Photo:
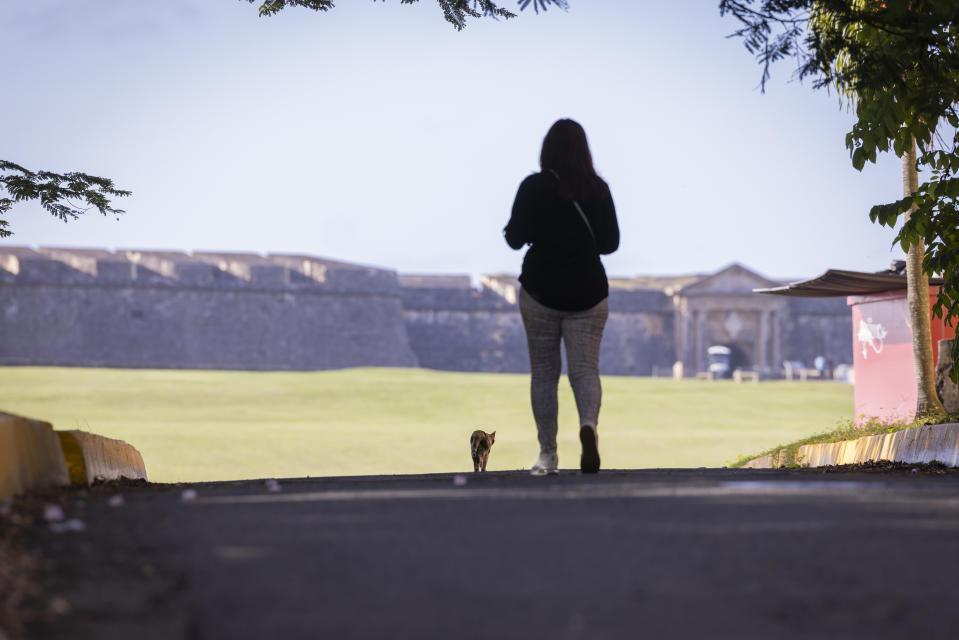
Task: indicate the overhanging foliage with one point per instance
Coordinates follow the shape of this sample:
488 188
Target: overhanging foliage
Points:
66 195
456 12
897 61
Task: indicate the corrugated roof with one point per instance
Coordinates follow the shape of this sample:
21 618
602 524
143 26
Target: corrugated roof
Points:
836 282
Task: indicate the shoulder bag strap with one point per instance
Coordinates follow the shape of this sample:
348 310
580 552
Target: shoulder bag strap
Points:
582 215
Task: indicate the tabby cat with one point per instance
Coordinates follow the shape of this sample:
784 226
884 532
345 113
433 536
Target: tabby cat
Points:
480 444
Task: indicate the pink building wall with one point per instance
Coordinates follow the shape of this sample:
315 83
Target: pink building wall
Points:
882 355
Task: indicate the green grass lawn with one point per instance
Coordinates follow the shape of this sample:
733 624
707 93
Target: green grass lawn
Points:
221 425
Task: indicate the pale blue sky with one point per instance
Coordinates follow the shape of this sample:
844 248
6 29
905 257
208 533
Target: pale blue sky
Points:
375 133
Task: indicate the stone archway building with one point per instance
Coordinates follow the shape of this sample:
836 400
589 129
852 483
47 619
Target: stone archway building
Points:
721 309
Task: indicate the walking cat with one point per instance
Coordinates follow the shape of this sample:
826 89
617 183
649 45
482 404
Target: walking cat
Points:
480 444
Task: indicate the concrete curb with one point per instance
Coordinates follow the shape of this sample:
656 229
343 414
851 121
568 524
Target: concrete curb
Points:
939 442
91 457
33 456
30 456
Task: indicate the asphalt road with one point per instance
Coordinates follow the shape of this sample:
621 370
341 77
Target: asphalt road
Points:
640 554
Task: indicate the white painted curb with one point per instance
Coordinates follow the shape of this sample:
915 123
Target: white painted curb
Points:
30 456
33 456
935 442
91 457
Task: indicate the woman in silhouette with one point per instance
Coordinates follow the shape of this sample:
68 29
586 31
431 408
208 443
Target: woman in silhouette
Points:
566 214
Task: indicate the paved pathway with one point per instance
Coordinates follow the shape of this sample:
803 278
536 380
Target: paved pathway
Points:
643 554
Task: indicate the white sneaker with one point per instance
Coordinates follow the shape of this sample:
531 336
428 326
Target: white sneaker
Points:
546 464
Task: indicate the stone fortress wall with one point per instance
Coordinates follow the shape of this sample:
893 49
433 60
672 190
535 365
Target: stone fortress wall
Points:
218 311
90 307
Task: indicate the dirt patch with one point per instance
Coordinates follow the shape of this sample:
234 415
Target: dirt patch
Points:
21 562
892 468
17 580
60 568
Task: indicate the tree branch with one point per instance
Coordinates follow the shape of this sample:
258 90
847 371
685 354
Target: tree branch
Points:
456 12
55 189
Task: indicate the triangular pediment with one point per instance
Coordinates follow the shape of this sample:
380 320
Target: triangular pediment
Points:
732 280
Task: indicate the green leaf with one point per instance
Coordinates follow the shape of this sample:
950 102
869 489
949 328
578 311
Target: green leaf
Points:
890 123
898 145
858 158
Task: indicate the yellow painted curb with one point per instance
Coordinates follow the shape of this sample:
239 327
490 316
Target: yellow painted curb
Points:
934 442
90 457
30 456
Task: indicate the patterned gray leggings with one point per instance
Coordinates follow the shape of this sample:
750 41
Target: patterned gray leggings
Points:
581 332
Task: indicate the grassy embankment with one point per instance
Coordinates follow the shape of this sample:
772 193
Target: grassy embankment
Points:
219 425
845 430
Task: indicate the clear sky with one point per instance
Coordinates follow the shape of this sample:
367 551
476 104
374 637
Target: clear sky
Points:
376 133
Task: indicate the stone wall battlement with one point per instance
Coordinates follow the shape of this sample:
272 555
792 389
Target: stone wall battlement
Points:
452 293
235 271
165 309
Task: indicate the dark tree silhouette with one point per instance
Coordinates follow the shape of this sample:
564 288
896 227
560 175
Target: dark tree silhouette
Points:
66 195
456 12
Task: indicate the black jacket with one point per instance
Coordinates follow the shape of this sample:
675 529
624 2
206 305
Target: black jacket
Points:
562 269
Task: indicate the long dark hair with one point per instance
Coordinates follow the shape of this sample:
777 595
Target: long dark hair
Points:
566 152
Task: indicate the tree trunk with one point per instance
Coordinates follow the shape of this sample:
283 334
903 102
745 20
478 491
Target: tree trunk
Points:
918 295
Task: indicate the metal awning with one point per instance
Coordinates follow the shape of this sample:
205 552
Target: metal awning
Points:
836 283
